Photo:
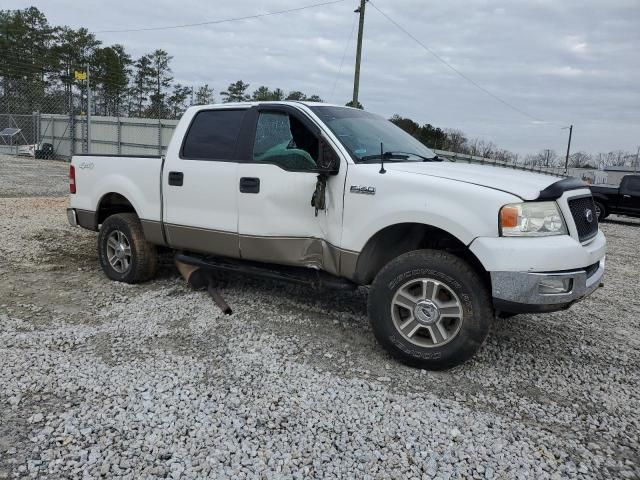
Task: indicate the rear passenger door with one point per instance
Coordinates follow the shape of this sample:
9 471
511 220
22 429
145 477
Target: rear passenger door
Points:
630 195
200 191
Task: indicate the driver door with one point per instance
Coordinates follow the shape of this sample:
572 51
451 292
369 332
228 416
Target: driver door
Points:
276 221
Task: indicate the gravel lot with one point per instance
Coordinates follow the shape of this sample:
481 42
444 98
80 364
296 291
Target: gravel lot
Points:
152 381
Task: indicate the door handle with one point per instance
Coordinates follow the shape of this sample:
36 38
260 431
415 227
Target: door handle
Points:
626 196
176 178
249 185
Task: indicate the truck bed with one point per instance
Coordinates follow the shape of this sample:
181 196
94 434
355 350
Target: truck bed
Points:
138 178
604 188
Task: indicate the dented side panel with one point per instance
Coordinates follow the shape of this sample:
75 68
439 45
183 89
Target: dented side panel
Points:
301 252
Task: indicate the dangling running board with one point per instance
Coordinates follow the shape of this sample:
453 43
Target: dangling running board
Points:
299 275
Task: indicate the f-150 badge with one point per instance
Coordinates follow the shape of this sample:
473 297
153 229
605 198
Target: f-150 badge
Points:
363 189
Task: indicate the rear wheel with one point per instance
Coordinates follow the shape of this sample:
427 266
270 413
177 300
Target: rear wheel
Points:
125 255
430 309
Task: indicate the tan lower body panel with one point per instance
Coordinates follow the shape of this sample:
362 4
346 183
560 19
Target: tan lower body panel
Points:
202 240
348 263
295 251
301 252
153 232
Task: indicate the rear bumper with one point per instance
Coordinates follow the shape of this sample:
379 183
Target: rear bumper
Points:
82 218
72 217
534 292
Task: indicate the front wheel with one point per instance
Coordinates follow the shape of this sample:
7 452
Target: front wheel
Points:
430 309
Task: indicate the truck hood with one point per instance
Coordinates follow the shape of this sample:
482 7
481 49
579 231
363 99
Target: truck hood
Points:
526 185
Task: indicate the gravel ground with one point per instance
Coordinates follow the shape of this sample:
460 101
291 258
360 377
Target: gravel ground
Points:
102 379
27 177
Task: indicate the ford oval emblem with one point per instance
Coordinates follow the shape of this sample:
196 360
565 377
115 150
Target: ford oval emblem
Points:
588 214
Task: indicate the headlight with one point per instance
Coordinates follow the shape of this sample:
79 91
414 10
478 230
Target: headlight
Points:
531 219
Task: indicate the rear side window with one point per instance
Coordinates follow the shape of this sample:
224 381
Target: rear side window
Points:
633 185
213 135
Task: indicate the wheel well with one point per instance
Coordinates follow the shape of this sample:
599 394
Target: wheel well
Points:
395 240
111 204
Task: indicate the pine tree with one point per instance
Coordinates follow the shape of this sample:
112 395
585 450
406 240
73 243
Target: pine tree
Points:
204 95
296 95
142 85
178 99
73 51
161 73
236 92
111 67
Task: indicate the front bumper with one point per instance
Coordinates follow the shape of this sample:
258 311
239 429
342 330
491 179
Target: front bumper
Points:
525 292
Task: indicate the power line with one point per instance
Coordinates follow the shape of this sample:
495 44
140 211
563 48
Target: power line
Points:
458 72
216 22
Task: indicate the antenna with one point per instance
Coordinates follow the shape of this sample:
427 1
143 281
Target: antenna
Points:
382 170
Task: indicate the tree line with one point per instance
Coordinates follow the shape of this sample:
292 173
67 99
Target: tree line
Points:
454 140
39 61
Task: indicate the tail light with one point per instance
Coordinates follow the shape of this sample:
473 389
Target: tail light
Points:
72 179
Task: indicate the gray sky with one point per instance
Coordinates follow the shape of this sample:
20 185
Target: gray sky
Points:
562 61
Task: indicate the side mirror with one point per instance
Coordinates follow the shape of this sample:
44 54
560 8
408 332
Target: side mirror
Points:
328 159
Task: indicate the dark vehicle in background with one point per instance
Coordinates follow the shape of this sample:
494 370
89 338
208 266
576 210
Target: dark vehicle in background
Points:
623 200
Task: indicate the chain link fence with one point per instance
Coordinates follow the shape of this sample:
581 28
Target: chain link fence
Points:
52 123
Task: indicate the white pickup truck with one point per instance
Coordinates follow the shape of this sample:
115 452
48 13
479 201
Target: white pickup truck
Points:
335 196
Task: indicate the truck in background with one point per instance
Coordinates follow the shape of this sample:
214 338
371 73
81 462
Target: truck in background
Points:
621 200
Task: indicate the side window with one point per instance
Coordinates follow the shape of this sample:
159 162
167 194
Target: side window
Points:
283 140
213 135
633 185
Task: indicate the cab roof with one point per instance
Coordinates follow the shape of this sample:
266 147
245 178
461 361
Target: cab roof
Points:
270 102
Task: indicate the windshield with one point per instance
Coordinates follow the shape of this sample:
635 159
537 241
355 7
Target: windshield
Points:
362 132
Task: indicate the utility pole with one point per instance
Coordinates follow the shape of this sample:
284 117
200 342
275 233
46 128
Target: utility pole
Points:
566 160
356 78
635 164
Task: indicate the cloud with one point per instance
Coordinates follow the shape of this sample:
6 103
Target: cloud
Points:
576 44
566 71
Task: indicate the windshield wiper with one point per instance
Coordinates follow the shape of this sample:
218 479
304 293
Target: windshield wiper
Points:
397 156
387 156
435 158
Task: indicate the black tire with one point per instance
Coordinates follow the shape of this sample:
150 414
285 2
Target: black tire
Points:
601 211
143 259
459 279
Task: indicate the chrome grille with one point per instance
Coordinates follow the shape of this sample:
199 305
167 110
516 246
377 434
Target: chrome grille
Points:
584 215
